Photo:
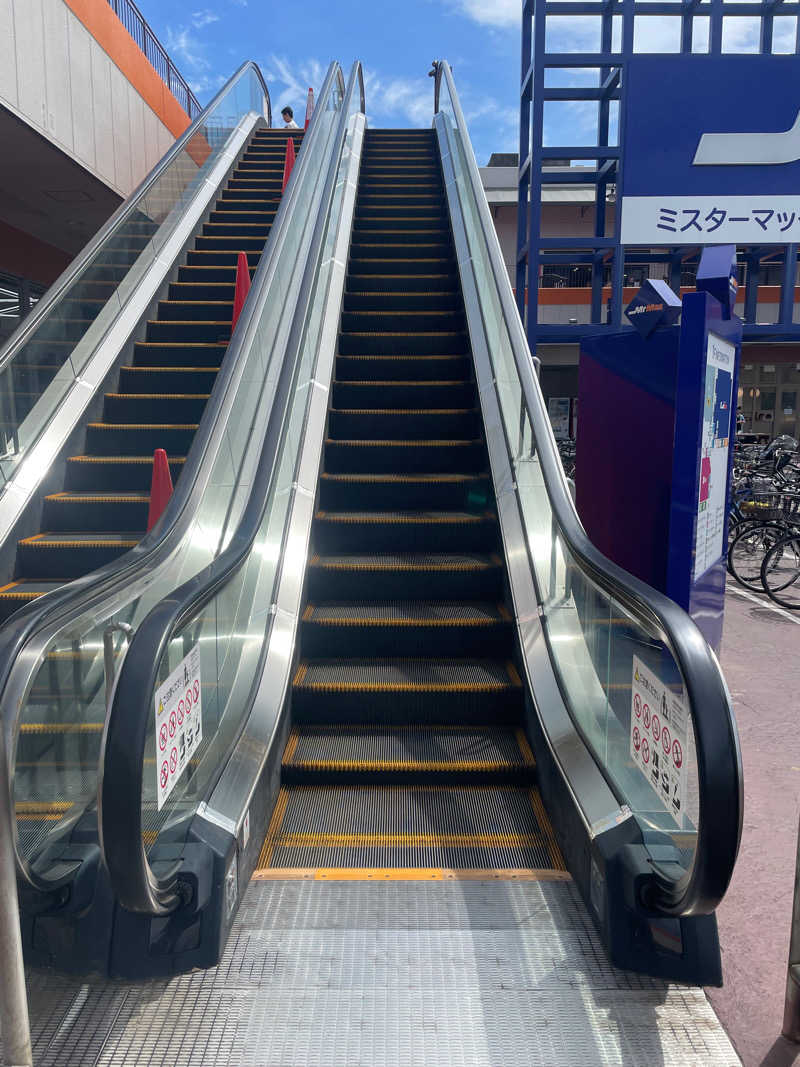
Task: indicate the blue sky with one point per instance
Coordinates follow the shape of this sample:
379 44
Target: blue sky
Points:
294 42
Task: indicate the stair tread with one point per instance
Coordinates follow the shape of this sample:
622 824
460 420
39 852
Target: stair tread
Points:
461 517
408 561
388 479
83 538
421 675
407 613
407 747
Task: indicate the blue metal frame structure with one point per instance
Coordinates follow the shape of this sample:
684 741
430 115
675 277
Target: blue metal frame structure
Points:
543 77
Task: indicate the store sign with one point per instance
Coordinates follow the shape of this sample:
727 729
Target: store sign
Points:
716 160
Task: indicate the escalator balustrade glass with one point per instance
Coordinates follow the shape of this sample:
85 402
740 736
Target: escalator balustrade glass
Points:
619 665
62 682
44 359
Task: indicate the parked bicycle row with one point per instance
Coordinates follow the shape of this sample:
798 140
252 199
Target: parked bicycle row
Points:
764 531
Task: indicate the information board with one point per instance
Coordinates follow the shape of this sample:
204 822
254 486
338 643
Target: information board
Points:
659 725
714 452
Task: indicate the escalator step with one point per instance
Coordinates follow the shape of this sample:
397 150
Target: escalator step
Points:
115 473
403 343
405 628
374 267
412 457
210 331
69 555
406 691
108 439
398 282
153 407
350 755
404 492
411 827
161 379
404 574
195 310
403 394
406 321
23 591
406 424
90 511
165 354
387 302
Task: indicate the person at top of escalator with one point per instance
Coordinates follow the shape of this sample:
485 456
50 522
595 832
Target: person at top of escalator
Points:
288 118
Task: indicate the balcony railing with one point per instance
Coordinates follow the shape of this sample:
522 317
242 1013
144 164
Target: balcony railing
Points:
134 22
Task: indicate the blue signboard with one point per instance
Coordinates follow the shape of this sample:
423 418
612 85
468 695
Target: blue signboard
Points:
716 158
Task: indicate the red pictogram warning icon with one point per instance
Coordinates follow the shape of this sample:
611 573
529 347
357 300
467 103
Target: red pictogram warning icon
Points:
647 716
666 740
173 724
656 728
162 736
637 740
645 750
196 690
173 759
677 753
189 701
164 776
637 706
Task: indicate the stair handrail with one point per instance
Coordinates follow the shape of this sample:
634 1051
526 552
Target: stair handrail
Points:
702 887
136 886
29 629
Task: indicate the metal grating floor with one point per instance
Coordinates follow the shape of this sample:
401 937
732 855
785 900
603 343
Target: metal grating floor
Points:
462 974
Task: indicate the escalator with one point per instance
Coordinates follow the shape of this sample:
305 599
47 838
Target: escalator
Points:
408 747
403 658
101 511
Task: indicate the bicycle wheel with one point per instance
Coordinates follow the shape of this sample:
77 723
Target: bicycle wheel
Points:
780 572
747 551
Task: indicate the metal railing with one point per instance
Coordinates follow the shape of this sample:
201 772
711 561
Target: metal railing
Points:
135 23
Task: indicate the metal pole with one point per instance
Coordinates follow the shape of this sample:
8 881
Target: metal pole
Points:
791 1004
14 1024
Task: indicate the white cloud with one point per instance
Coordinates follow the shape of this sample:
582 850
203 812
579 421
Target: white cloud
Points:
506 14
203 18
409 99
183 46
288 82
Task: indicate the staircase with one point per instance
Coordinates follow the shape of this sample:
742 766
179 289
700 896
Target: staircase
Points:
407 750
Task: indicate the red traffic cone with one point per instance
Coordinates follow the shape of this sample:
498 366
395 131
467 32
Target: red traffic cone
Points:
309 107
160 488
287 166
242 287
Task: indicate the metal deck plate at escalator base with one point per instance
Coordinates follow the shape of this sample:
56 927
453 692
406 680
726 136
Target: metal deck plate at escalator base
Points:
395 974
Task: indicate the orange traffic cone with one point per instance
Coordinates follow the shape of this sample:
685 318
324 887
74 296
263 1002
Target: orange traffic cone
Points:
309 107
287 166
160 488
242 287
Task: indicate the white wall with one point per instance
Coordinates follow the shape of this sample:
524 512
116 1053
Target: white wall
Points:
57 78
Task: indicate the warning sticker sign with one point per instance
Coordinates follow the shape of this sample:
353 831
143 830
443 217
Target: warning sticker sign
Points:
179 723
659 721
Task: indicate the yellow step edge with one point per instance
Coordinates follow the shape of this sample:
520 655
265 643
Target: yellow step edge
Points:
493 766
409 874
298 839
494 561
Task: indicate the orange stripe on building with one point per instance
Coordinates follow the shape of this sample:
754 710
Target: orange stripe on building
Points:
101 22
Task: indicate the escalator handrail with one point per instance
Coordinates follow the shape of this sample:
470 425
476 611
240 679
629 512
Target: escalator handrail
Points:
31 322
67 602
134 883
701 888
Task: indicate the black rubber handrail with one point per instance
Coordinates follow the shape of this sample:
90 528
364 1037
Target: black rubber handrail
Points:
133 881
721 801
65 604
